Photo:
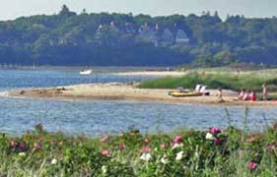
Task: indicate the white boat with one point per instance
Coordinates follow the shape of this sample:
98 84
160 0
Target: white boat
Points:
86 72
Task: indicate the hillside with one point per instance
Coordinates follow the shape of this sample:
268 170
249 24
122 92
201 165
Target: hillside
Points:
71 39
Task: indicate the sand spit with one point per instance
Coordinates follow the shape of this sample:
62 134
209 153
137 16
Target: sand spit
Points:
119 91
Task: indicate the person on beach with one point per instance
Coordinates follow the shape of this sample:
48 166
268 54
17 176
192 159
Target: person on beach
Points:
252 96
265 93
220 95
246 96
241 95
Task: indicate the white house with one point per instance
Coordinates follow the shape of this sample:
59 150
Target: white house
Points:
181 37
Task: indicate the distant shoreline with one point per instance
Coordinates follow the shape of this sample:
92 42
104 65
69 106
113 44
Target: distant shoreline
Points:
117 70
153 73
119 91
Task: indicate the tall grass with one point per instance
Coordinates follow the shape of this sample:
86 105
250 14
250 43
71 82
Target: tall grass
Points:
215 80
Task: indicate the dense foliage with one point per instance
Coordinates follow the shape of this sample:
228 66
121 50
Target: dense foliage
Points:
190 153
105 39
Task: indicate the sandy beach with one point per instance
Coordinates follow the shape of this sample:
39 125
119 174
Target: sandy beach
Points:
119 91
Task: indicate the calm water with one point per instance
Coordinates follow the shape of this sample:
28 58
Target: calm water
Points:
10 79
97 117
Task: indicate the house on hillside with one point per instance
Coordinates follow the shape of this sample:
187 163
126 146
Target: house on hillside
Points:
143 29
181 37
167 37
148 34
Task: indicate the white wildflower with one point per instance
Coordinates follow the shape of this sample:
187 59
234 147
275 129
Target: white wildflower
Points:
104 169
209 136
179 155
54 161
22 154
196 154
146 156
164 160
177 145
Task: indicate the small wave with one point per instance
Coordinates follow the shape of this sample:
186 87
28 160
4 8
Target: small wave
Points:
4 94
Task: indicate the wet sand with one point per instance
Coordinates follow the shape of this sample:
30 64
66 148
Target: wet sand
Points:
119 91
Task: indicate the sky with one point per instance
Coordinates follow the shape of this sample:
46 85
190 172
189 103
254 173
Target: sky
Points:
11 9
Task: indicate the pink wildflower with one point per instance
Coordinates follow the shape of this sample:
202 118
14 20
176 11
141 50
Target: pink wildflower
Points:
217 141
270 147
252 165
178 139
14 144
22 147
251 139
106 152
172 143
37 147
163 145
121 146
215 130
146 149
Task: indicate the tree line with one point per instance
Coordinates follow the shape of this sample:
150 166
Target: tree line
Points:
71 39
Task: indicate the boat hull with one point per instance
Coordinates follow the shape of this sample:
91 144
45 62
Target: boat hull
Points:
185 94
86 72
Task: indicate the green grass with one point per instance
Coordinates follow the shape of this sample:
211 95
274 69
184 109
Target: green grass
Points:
190 153
231 80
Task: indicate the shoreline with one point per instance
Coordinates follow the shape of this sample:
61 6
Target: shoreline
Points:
153 73
120 91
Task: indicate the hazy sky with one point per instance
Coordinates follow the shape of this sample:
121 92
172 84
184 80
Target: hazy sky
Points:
11 9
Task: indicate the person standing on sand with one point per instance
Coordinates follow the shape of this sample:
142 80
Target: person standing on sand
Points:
220 95
265 93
